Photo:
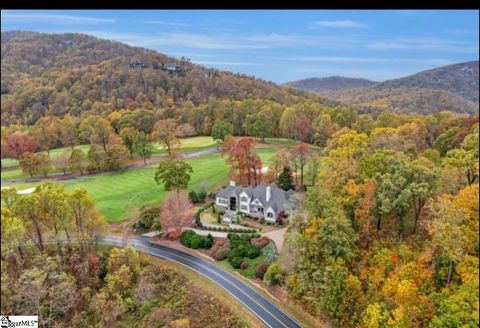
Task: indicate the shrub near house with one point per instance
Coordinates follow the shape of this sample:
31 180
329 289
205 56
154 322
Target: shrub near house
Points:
192 240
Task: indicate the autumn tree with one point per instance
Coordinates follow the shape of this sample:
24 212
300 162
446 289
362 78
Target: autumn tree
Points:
114 156
466 158
347 144
45 290
13 233
129 137
176 212
45 133
276 164
29 164
303 129
186 130
445 227
97 130
43 162
259 125
300 155
61 161
245 164
423 183
366 212
19 143
221 130
68 131
313 168
165 131
87 222
51 207
114 119
78 161
143 146
96 157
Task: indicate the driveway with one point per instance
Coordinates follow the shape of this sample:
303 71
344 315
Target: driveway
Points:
277 236
269 313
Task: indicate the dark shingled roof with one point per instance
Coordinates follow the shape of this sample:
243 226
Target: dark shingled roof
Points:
278 196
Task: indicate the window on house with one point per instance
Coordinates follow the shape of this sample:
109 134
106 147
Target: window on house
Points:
260 209
270 215
244 208
244 199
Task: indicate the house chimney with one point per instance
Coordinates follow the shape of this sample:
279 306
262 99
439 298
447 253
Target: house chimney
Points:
268 193
232 183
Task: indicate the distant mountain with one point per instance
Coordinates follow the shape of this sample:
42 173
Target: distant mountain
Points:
327 85
461 79
453 87
71 73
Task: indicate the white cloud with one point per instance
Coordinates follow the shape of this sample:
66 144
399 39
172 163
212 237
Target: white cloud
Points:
52 18
371 60
340 24
432 44
226 41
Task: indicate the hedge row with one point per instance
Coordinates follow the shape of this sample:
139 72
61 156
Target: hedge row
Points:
226 229
205 207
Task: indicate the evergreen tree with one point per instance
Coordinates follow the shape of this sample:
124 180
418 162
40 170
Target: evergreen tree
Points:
285 179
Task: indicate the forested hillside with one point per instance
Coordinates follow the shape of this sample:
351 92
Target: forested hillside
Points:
452 87
328 85
72 73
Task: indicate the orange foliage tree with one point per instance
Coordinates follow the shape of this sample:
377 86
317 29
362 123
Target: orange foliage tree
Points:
176 212
246 164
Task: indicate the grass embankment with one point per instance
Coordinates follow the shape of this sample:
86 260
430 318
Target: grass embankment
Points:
249 272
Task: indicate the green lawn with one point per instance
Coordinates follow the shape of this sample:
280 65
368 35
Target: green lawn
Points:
284 142
120 194
13 174
188 145
6 162
248 272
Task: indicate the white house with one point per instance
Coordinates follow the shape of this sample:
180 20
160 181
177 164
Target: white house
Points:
267 201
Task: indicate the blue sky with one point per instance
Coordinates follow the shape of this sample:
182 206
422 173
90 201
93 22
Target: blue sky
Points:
280 45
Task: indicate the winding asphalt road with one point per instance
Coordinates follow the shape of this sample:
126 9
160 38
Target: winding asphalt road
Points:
270 314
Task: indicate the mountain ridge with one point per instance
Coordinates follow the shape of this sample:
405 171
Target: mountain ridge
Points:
453 87
326 85
73 72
